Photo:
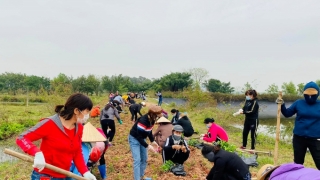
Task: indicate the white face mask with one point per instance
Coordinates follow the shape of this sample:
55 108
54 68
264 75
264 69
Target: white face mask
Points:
84 119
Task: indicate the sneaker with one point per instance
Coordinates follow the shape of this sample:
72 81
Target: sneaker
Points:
242 147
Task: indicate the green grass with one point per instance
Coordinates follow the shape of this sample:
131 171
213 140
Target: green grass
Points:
19 118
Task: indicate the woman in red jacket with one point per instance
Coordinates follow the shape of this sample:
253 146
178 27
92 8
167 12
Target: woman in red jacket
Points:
60 137
215 132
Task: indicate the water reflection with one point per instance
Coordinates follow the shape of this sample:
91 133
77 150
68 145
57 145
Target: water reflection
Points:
268 127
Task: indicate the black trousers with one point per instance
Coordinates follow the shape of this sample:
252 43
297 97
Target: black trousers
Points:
300 145
134 114
250 126
108 123
176 157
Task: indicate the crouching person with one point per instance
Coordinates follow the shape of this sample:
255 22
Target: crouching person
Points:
176 148
227 165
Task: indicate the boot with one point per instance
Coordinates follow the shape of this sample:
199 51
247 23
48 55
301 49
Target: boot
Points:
103 171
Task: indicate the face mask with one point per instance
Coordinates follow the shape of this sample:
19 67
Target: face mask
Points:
248 98
84 119
210 156
173 115
310 99
176 137
208 126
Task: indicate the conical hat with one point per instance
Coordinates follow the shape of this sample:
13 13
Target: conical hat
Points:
163 120
91 134
265 170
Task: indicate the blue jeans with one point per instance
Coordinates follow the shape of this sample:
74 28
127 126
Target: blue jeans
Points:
36 176
140 156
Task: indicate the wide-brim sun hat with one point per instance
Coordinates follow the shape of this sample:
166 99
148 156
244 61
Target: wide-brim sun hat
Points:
91 134
163 120
265 170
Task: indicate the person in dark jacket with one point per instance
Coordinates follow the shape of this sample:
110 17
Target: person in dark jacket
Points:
306 132
142 129
227 165
185 122
176 148
251 122
175 115
135 109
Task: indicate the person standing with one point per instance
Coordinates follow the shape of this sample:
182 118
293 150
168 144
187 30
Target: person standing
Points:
215 132
251 122
306 132
159 98
135 109
107 121
60 142
137 140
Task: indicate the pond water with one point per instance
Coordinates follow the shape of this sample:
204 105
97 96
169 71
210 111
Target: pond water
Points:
267 117
5 157
268 110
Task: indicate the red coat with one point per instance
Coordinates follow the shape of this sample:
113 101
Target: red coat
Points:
214 132
59 145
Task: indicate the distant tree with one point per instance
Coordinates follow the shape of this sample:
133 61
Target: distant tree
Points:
246 87
175 81
116 83
199 75
36 83
215 85
13 82
62 84
226 88
318 82
289 88
272 89
300 88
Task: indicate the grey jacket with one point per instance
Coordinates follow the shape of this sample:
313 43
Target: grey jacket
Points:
109 114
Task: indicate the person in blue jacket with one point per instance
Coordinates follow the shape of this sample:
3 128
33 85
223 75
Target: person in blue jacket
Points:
306 131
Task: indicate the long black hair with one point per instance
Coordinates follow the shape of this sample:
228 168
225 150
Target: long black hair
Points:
76 100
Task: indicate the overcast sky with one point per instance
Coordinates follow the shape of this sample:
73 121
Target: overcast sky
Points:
260 42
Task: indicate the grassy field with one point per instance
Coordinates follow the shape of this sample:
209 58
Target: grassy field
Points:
118 157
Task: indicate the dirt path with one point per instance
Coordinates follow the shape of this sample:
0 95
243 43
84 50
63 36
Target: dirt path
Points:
119 159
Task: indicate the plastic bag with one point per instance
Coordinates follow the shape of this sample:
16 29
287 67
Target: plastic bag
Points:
250 160
178 170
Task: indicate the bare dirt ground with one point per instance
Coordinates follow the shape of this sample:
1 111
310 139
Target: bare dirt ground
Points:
119 159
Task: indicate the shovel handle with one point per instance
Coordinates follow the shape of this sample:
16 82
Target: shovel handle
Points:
48 166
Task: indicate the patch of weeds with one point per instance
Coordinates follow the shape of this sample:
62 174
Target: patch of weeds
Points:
167 166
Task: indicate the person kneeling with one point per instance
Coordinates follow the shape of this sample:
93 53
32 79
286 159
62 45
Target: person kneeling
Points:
227 165
176 149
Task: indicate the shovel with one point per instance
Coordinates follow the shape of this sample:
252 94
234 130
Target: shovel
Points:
48 166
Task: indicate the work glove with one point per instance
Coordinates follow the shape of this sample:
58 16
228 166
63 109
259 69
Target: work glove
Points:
279 101
39 161
150 147
89 176
201 135
120 121
201 138
238 112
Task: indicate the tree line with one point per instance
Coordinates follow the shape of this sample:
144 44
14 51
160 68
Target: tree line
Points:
13 83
